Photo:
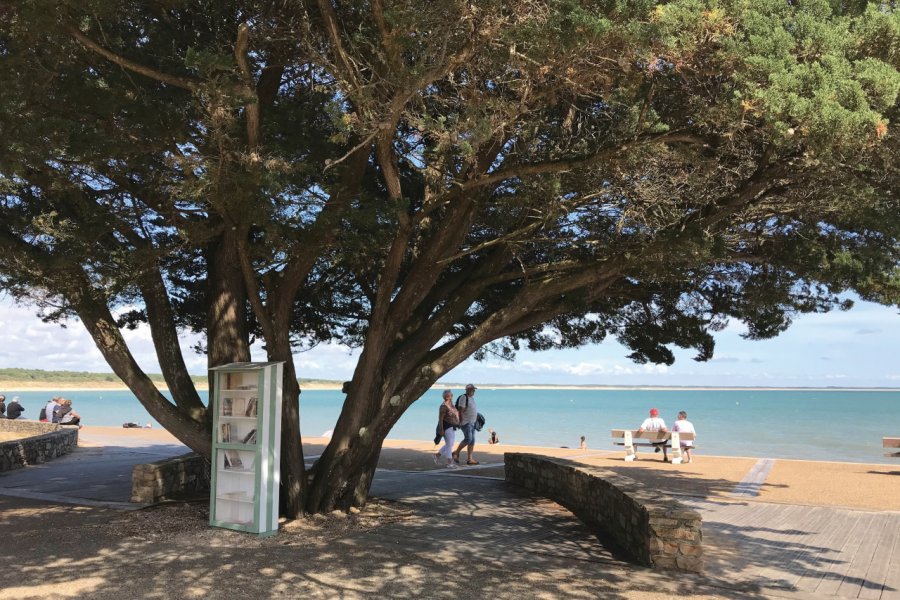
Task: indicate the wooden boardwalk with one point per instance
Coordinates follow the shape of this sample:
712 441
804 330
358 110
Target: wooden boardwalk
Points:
802 551
752 549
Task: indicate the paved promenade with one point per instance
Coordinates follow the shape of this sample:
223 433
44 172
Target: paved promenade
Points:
465 534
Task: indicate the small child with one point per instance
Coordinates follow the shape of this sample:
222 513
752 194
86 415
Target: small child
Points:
493 439
682 425
583 443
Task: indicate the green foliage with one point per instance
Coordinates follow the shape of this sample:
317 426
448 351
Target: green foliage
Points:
770 196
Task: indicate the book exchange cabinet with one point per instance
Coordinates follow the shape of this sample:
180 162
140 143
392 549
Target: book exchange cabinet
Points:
246 449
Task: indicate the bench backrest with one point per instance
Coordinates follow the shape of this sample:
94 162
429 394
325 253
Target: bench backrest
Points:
654 436
891 442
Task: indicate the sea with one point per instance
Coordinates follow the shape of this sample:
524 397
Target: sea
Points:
831 425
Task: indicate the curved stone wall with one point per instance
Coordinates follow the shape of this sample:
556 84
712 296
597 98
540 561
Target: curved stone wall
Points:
651 526
44 441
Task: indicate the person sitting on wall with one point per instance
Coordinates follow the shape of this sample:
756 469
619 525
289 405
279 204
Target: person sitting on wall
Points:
48 412
14 410
66 416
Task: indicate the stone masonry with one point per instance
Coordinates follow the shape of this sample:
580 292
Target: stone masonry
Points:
164 479
44 441
650 526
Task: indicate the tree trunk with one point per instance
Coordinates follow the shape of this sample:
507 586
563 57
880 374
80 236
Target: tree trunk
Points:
102 327
227 337
166 344
293 477
342 479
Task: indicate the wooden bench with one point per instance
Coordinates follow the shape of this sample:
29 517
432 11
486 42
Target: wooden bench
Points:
892 442
669 439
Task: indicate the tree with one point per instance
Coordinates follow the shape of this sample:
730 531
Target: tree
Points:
432 181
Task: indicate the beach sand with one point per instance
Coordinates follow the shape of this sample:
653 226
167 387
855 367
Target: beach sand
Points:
813 483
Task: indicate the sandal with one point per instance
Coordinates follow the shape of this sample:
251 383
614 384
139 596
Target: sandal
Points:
472 462
455 456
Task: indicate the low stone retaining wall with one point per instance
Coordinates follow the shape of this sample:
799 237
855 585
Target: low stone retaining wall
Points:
650 526
44 441
172 477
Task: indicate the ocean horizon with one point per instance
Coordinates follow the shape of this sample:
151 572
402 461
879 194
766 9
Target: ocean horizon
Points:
813 424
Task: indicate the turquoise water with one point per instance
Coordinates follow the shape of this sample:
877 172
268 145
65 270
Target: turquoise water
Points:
806 424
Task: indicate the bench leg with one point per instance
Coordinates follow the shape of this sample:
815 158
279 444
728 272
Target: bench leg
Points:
676 449
629 447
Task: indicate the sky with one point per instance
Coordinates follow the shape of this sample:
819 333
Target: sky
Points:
856 348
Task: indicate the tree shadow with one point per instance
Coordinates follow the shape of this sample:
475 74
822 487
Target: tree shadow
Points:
519 546
87 552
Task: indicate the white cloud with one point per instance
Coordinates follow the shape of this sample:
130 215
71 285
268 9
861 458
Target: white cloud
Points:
810 352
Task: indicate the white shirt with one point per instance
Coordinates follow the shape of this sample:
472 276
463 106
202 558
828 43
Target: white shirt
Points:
51 406
684 426
653 424
467 411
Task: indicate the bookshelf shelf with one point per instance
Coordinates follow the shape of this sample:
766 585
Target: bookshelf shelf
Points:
246 402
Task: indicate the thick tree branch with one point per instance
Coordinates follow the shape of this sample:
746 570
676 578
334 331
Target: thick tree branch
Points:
251 106
335 35
181 82
559 166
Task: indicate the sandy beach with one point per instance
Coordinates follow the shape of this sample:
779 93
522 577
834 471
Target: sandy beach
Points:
813 483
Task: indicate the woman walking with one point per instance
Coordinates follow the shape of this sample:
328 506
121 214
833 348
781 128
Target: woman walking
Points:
448 421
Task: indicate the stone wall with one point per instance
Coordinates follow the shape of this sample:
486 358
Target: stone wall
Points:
648 525
44 441
172 477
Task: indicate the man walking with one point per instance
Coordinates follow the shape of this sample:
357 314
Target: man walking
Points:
468 412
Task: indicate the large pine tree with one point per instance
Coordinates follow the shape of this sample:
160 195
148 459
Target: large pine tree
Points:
429 181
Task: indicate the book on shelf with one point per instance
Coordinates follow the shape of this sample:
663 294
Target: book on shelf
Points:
251 407
227 407
225 432
233 460
250 438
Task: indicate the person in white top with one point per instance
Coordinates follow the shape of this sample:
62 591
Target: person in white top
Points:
655 423
682 425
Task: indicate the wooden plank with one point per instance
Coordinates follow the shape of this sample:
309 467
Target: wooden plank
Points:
891 442
842 527
871 582
891 590
803 533
813 533
650 435
754 480
830 580
857 566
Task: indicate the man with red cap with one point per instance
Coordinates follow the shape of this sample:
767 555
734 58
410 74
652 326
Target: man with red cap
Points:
655 423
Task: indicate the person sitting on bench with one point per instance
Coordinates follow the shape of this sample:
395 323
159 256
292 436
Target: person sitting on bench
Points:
655 423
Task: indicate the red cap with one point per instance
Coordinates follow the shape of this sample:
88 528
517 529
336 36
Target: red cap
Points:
654 412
